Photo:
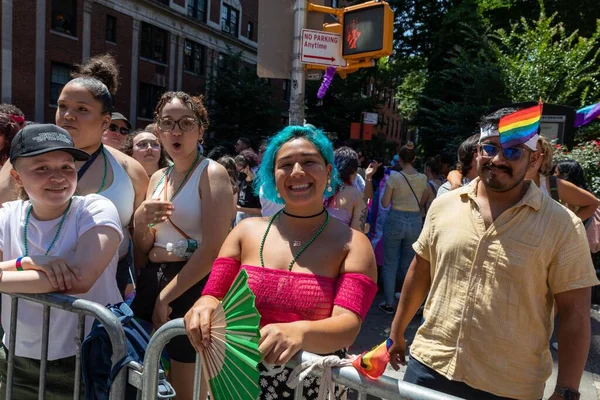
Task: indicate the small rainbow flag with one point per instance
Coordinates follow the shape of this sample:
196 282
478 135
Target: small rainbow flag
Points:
372 363
517 128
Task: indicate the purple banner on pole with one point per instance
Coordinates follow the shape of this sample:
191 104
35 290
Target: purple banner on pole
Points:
587 114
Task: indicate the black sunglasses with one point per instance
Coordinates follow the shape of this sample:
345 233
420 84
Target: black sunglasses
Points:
115 128
511 154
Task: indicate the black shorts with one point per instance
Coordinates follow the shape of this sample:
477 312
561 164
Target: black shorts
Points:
152 279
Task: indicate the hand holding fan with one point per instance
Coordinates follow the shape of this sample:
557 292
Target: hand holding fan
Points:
230 363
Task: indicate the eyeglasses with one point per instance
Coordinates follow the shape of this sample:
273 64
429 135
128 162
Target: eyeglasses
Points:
143 144
510 154
115 128
186 124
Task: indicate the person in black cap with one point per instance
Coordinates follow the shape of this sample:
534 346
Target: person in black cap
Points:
117 131
46 239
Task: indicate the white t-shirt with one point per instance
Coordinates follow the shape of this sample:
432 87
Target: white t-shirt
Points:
85 213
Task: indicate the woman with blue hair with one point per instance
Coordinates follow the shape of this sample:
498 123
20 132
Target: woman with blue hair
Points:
313 276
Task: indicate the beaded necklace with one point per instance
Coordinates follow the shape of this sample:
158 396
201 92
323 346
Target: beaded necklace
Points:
168 172
60 225
262 243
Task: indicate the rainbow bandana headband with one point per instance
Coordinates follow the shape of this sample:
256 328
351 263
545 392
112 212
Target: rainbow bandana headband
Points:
521 127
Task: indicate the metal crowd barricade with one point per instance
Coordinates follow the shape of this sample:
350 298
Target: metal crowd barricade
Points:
82 308
384 387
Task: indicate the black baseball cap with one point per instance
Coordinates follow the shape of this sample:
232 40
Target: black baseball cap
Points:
115 116
37 139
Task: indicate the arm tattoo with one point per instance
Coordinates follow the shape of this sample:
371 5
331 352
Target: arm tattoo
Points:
363 219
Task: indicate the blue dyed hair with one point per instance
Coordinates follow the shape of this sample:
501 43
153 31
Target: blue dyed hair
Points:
265 177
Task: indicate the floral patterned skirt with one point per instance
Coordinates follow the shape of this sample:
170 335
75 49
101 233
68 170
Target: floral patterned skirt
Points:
273 384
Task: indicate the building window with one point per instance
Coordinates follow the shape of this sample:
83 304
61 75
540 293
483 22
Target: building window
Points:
154 43
148 98
58 79
229 20
251 31
111 28
197 9
193 57
64 16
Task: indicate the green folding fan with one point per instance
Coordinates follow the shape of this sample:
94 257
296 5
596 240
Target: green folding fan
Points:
230 363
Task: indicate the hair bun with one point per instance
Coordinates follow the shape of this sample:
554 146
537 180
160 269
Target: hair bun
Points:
102 67
409 145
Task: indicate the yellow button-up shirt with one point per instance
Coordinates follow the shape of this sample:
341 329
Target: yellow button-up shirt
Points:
489 314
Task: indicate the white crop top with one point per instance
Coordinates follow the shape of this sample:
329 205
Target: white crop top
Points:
544 185
188 211
122 194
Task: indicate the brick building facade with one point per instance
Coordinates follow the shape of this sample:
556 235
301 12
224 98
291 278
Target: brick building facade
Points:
159 45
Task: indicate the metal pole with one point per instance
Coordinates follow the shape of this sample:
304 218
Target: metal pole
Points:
298 73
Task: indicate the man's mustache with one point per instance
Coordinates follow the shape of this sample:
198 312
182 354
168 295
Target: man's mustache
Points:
506 169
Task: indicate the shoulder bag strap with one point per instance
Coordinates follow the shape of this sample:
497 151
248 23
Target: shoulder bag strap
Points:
182 233
411 189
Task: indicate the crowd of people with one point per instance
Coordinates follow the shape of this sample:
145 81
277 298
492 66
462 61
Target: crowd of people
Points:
488 253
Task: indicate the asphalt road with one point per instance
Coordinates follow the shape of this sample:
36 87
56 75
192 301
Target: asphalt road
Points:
376 328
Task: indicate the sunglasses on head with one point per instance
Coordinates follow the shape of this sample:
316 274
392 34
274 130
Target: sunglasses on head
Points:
511 154
115 128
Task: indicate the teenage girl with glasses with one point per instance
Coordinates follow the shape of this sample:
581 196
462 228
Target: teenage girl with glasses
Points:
181 226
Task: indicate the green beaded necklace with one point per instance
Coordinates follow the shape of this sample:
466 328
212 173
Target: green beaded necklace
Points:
60 225
105 171
262 243
168 171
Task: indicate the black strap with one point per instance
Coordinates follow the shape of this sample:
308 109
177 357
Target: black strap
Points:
554 188
89 162
411 189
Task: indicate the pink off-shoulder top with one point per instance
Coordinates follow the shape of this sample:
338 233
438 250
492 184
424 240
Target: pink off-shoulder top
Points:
286 296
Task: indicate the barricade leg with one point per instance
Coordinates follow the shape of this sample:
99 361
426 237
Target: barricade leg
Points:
80 337
44 355
10 369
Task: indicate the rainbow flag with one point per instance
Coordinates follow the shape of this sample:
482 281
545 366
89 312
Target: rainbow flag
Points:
372 363
587 114
517 128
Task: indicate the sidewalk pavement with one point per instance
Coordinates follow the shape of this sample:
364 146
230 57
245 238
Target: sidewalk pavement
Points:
376 329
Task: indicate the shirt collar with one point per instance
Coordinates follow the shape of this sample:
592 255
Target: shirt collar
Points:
532 198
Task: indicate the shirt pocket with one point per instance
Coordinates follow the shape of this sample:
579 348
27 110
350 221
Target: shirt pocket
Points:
515 260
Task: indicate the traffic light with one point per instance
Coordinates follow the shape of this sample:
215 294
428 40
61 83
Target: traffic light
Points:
367 31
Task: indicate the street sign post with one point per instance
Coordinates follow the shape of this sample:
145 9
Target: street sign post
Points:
323 48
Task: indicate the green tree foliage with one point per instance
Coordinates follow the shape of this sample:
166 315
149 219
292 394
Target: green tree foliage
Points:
239 102
541 59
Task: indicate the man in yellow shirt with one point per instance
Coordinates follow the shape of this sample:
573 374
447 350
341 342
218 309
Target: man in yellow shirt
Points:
494 257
